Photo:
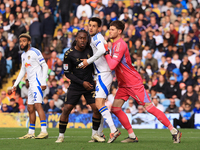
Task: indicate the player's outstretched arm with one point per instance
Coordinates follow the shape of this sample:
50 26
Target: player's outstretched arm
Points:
112 63
20 76
101 50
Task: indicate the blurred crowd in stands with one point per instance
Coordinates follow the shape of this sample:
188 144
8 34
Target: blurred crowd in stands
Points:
163 38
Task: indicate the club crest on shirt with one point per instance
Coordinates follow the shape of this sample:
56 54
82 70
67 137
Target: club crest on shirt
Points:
88 55
29 57
65 66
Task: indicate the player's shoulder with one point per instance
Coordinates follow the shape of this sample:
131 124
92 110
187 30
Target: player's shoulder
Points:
69 52
35 51
98 37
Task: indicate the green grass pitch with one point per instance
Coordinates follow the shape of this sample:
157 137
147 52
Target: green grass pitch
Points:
77 139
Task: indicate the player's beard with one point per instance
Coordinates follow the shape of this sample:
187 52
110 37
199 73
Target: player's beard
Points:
25 47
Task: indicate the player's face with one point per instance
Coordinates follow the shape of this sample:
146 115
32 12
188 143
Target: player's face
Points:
114 32
93 28
81 40
24 43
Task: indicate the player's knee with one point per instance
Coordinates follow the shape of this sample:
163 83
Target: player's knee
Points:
38 106
31 109
66 110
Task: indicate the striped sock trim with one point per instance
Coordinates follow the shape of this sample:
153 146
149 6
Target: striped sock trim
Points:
103 109
32 126
43 123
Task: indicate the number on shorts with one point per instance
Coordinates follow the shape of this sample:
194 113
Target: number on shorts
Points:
35 94
93 94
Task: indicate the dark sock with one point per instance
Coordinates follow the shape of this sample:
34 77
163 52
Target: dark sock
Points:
95 123
62 126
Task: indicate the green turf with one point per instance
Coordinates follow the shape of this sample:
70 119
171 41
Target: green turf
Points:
77 139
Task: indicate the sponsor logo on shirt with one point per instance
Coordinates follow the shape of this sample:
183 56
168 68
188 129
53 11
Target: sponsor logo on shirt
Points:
115 56
27 65
65 66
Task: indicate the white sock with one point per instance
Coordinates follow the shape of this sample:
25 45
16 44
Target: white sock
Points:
94 132
61 134
31 129
173 131
107 117
44 129
43 126
132 135
100 130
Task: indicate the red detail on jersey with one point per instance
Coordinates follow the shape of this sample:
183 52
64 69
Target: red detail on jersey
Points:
27 65
126 74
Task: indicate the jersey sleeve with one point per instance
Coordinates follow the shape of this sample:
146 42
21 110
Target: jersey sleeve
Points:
67 66
99 44
119 51
39 58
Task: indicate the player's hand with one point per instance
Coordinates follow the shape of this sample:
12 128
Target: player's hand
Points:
43 87
14 89
106 47
83 64
184 120
87 85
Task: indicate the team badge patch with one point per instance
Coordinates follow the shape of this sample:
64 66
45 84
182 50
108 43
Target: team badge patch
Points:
65 66
29 57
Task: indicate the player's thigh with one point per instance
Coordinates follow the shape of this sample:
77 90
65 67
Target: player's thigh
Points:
90 96
73 97
120 97
103 84
140 95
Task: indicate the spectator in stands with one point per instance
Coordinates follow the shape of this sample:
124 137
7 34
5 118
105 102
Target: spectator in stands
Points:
197 107
18 28
155 101
47 29
125 15
170 65
187 79
60 93
186 118
4 99
191 95
173 32
53 107
177 74
62 38
83 8
56 45
172 108
46 104
24 7
172 89
176 60
10 94
14 105
185 65
24 90
161 84
53 89
57 102
66 86
52 61
151 41
59 69
35 33
141 109
18 99
131 107
5 108
11 53
152 61
2 68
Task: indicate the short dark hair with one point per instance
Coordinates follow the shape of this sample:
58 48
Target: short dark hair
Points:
118 24
97 20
